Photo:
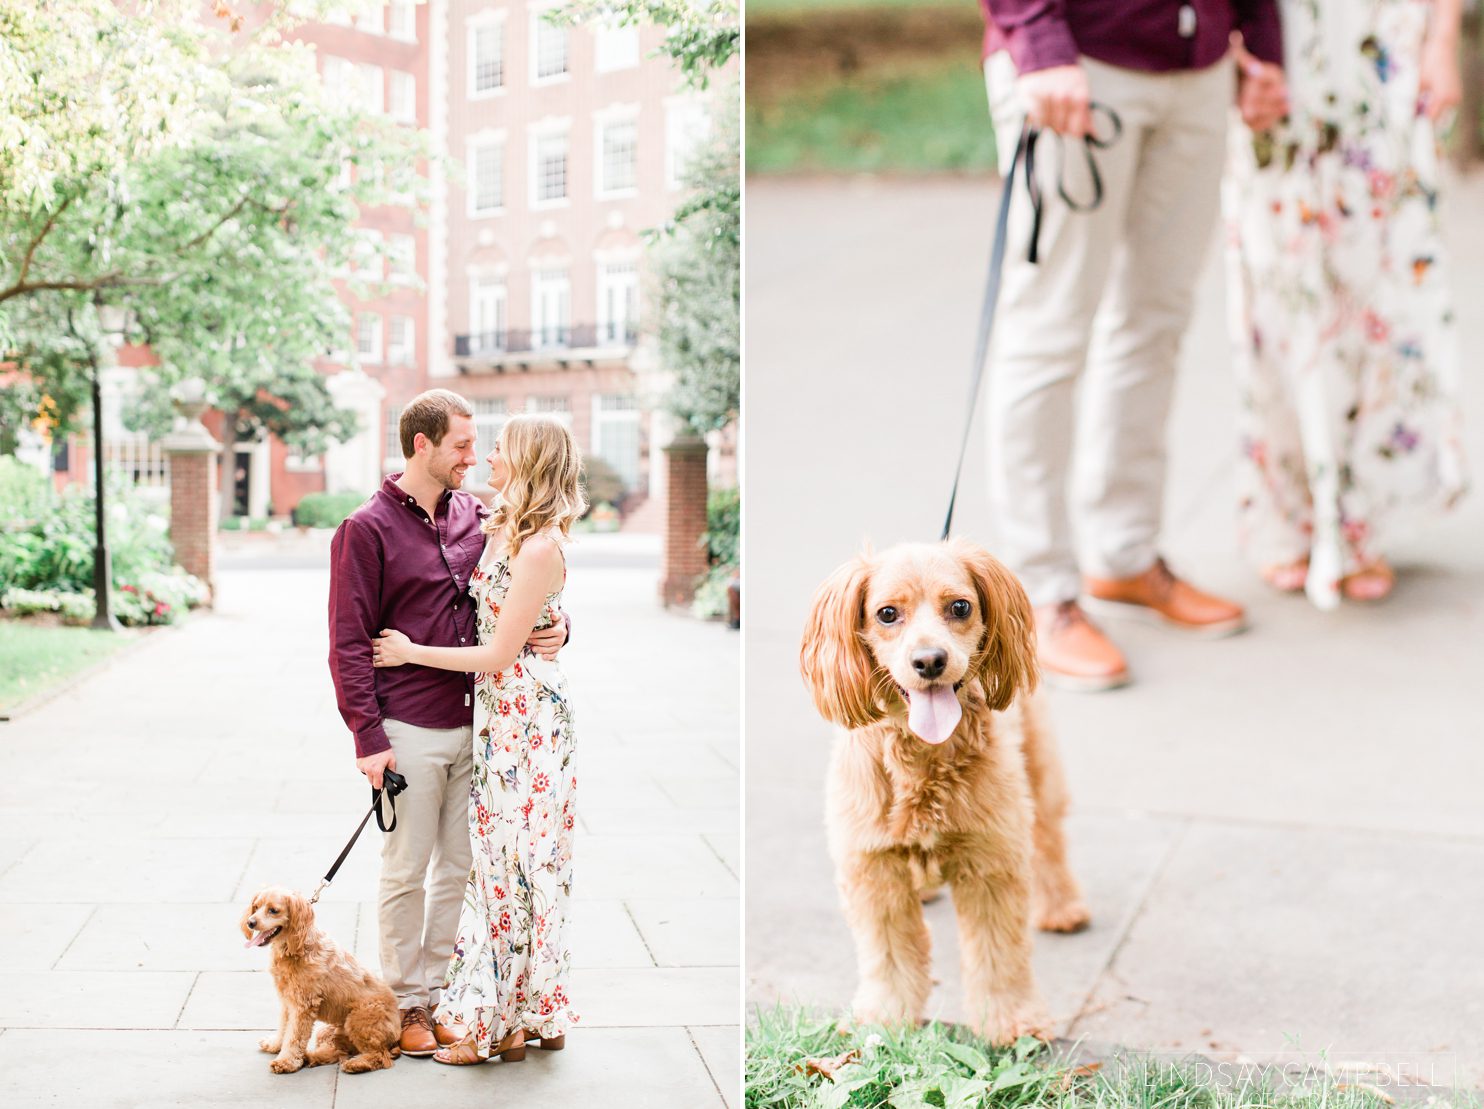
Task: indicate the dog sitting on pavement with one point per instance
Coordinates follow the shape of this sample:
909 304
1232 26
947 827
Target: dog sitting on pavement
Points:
317 981
925 655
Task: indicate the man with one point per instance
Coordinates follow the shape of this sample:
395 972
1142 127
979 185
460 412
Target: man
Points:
402 560
1162 66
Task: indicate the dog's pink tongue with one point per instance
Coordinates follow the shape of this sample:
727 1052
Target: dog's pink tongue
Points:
258 939
932 714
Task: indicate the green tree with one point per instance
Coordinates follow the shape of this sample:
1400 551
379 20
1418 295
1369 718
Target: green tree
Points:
214 213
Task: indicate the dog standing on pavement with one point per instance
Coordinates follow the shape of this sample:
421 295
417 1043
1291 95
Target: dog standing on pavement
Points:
318 981
926 656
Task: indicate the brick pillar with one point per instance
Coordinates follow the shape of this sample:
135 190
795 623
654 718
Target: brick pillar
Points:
193 454
685 520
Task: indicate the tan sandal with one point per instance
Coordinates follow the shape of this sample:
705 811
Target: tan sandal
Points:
1287 577
548 1043
465 1053
1370 583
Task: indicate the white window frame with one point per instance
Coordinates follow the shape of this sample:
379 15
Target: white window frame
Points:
606 417
475 144
549 130
489 300
393 25
554 334
490 415
391 444
339 77
370 87
366 261
615 115
623 275
537 28
402 96
557 406
403 353
615 46
486 21
401 258
687 128
371 357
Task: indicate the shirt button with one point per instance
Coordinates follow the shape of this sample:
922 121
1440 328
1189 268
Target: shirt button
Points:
461 639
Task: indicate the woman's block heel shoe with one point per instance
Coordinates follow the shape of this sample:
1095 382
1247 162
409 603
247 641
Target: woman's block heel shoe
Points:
552 1043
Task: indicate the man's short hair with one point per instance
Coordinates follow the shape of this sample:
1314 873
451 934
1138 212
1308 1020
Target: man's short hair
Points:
429 413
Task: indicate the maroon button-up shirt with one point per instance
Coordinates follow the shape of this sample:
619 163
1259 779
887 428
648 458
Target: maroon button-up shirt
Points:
393 567
1152 35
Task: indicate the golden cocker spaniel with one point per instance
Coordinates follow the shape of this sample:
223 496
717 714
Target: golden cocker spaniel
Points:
946 770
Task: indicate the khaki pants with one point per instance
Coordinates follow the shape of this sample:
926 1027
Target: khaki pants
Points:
1105 307
425 860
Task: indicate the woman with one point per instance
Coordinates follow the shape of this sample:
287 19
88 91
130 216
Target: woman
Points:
1343 328
507 981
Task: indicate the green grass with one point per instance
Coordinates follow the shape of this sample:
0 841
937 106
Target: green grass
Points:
913 120
34 658
946 1068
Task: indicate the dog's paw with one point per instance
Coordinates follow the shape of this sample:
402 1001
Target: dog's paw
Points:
271 1044
1068 916
1004 1027
286 1065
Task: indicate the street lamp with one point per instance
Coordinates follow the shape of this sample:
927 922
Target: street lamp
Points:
114 323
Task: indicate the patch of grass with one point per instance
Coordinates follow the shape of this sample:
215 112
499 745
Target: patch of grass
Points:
909 119
947 1068
34 657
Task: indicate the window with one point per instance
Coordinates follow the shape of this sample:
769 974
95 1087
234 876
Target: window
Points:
339 77
368 337
365 255
551 308
549 164
559 408
402 97
617 156
372 22
486 315
618 302
399 341
338 17
401 258
548 47
486 176
370 88
616 47
686 128
489 417
392 448
401 20
616 438
486 58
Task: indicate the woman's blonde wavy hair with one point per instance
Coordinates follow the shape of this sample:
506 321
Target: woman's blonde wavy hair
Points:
543 487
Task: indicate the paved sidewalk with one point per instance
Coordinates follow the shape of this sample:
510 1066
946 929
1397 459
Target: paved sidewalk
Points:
139 813
1281 834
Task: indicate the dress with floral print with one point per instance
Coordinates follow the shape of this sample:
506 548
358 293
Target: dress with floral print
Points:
1343 327
510 961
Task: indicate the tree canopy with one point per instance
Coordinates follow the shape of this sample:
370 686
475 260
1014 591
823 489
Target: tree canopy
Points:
192 172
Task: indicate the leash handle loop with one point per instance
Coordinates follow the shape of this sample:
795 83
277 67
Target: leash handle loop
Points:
1025 154
393 784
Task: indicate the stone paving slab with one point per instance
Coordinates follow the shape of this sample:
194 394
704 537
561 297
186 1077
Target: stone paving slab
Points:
93 999
33 937
694 932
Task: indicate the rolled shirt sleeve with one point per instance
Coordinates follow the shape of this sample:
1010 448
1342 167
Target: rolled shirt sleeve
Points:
355 603
1261 32
1035 32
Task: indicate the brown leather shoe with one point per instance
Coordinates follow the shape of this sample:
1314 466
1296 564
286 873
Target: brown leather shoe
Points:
1159 594
1074 653
448 1034
417 1032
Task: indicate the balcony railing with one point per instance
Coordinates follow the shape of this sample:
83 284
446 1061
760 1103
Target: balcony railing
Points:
544 339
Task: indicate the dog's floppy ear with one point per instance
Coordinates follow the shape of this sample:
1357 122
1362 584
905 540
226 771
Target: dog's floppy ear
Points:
1006 663
247 915
300 921
833 657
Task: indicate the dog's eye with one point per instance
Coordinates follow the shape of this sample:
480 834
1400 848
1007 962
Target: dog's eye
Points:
887 615
272 912
961 609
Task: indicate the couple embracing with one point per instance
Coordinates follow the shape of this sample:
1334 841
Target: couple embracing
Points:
445 625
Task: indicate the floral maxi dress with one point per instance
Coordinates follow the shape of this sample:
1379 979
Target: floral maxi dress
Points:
1343 328
510 961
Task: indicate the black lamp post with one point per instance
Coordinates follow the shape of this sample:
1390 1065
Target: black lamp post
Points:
114 323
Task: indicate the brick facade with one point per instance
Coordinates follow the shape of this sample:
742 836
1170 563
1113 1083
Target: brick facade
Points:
684 560
193 512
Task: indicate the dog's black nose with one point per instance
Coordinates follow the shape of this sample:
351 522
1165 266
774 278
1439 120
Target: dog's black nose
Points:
252 922
930 661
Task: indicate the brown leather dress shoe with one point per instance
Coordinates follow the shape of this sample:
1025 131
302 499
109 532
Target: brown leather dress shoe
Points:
448 1034
1074 653
417 1032
1159 594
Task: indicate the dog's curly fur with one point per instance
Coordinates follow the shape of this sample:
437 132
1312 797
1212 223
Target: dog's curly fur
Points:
981 811
318 981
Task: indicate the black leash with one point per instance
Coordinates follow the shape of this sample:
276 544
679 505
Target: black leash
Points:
394 784
1025 155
